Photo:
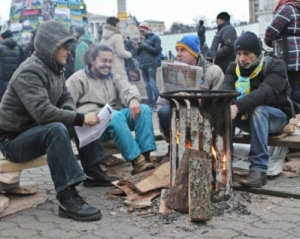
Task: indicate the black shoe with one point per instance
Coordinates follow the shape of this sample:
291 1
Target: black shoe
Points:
254 179
96 177
72 205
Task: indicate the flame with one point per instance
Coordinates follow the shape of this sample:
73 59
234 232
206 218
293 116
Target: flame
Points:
187 142
224 160
214 152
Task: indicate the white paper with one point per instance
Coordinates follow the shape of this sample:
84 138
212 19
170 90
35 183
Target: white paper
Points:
87 134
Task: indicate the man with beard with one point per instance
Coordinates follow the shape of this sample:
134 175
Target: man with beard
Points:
95 86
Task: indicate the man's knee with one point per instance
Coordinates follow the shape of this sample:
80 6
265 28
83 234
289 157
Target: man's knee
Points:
57 127
145 110
164 112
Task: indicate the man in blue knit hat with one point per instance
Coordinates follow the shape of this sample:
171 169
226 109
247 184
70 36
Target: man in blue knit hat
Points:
188 52
262 108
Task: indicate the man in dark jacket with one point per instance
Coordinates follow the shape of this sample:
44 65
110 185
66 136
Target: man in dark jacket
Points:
29 47
221 49
11 56
262 107
35 115
201 35
149 48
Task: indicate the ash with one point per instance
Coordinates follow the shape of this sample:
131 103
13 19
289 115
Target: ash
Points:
236 204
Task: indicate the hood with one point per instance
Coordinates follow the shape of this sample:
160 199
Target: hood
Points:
109 30
223 24
49 37
86 37
10 42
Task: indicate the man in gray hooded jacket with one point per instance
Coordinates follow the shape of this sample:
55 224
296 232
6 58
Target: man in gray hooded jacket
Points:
36 113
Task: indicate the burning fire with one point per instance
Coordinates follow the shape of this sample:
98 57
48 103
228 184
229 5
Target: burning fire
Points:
187 142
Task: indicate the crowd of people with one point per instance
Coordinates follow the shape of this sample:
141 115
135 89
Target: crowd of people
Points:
41 104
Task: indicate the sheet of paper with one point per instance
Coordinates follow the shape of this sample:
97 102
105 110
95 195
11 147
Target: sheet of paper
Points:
87 134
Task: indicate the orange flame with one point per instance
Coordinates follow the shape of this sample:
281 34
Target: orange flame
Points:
187 142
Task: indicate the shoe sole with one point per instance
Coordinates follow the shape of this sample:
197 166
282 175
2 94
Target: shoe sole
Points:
82 219
93 184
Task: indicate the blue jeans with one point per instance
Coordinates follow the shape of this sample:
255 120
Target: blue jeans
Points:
163 114
295 85
149 76
119 130
53 139
264 120
3 86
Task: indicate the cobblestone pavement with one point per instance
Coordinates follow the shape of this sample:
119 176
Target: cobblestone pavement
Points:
246 216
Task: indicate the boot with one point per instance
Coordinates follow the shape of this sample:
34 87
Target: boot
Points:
96 177
140 165
254 179
72 205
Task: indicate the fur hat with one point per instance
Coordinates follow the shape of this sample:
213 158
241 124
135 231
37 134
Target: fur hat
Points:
80 30
248 42
191 43
224 16
144 26
6 34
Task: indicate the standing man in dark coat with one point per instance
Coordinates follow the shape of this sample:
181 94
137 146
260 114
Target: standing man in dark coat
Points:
148 51
11 56
262 108
38 115
221 49
201 35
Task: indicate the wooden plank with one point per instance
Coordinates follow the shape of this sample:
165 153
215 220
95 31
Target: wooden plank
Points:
11 177
19 203
7 166
292 141
200 186
141 200
160 178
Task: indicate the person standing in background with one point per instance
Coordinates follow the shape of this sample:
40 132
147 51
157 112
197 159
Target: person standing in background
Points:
201 35
222 50
283 35
113 38
149 51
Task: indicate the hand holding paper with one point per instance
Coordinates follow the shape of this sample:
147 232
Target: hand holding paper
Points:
87 134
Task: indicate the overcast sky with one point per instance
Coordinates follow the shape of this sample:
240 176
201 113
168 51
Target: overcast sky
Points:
168 11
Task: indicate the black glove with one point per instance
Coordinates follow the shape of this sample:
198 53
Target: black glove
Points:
142 44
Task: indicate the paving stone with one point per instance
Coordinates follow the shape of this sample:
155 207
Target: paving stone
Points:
62 234
42 226
263 233
274 225
18 233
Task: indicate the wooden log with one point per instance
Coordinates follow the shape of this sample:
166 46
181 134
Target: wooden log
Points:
163 210
178 197
24 188
7 166
199 186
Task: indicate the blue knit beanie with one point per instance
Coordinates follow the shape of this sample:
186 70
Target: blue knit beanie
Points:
248 42
191 43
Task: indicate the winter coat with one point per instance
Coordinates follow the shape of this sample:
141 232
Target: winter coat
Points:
37 94
91 93
81 49
201 34
149 51
11 56
28 49
112 37
222 47
267 90
283 34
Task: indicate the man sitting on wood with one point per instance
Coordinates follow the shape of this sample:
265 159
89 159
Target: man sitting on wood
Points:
262 108
95 86
35 115
188 52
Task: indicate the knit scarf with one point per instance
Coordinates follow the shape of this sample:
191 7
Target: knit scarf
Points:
243 82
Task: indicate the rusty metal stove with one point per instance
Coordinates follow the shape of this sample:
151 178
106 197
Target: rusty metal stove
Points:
206 128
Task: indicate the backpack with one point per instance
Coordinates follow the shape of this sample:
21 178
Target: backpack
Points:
160 56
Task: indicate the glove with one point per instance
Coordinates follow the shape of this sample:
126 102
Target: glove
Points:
142 44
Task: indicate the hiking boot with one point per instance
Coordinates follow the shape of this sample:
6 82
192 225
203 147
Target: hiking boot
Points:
254 179
140 165
96 177
72 205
